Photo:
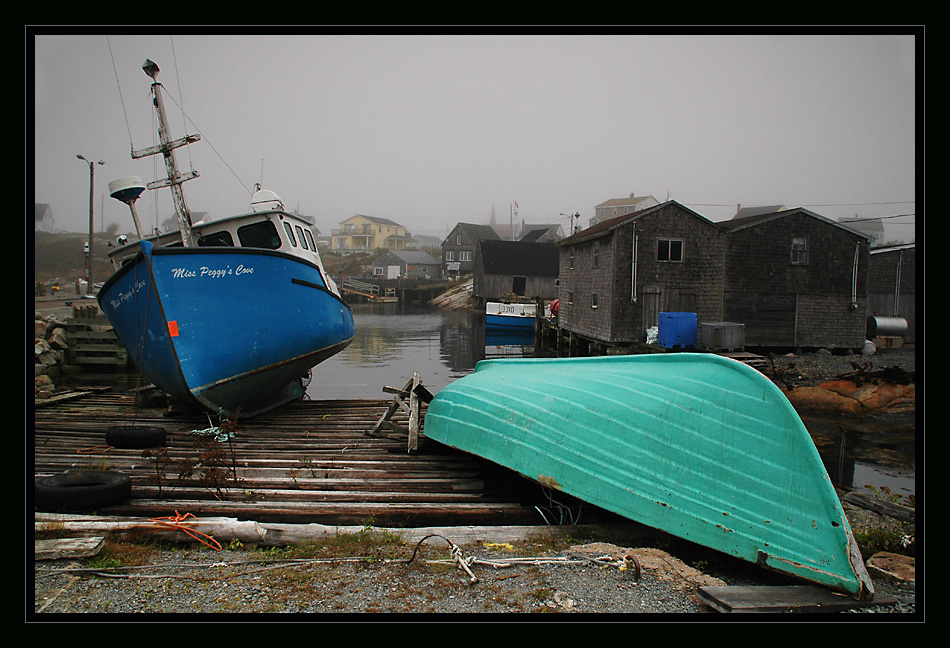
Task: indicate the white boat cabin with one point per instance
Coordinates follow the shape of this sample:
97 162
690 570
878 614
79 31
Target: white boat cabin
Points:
266 226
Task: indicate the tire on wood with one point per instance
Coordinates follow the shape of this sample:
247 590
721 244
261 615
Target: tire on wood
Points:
135 436
81 490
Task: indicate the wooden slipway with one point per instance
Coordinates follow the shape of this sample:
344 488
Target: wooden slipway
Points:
307 462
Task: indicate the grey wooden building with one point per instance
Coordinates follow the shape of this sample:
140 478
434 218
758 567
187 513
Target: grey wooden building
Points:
406 264
796 279
515 267
461 245
618 275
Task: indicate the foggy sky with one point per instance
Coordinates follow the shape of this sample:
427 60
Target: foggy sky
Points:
431 130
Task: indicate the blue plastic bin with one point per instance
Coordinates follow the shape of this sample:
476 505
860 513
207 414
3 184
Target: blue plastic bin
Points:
677 330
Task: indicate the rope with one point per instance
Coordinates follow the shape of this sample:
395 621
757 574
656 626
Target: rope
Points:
175 522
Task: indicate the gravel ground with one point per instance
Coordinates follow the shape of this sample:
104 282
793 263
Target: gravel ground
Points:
590 579
409 582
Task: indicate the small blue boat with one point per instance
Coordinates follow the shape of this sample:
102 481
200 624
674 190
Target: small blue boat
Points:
699 446
515 316
230 315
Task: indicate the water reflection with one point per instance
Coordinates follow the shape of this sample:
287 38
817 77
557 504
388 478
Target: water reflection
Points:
392 341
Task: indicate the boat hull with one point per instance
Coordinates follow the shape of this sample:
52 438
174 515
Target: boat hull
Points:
233 329
510 317
700 446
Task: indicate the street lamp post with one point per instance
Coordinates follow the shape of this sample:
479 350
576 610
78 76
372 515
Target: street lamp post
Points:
89 251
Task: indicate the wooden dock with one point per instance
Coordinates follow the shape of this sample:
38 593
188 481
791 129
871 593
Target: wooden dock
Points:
307 462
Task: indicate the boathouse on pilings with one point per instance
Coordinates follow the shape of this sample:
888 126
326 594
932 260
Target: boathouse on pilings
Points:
515 268
617 276
796 279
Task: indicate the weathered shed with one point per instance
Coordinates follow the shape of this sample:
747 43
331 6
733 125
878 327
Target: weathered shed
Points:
409 264
796 279
460 246
618 275
525 269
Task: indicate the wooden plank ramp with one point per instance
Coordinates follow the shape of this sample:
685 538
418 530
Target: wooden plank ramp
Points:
780 598
307 462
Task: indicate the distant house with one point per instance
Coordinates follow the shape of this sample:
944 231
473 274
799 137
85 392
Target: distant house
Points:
461 245
872 227
745 212
406 264
616 207
515 267
796 279
892 285
43 218
541 233
362 232
618 275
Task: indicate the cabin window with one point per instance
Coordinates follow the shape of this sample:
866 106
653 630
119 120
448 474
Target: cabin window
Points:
259 235
669 250
313 246
300 236
216 239
799 250
290 234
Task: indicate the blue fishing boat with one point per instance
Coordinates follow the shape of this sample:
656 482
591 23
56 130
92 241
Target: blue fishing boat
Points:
699 446
514 316
230 315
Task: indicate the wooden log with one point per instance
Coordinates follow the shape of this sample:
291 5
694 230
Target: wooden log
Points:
58 548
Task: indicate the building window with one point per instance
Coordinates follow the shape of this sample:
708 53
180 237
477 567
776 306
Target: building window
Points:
570 259
377 272
669 250
458 239
593 300
570 296
450 255
465 256
596 260
799 250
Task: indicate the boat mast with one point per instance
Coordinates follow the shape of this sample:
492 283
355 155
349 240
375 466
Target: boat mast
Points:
166 148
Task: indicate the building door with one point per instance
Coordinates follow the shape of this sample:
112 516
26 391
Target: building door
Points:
392 272
651 307
519 285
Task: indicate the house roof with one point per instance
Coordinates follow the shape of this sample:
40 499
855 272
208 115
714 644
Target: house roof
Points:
411 257
606 226
519 258
751 221
476 232
623 202
531 233
374 219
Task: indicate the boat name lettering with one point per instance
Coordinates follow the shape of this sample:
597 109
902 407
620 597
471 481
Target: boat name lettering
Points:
124 297
213 273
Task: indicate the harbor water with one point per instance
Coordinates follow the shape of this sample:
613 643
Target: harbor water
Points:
393 340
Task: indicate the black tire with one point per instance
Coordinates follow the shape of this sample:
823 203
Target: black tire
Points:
81 490
135 436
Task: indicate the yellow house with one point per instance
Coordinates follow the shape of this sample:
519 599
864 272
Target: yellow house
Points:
369 233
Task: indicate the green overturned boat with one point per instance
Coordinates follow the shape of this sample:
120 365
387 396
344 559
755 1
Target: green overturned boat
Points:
699 446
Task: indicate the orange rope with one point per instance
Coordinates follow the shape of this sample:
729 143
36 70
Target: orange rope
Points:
175 522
